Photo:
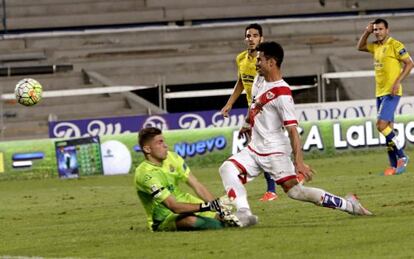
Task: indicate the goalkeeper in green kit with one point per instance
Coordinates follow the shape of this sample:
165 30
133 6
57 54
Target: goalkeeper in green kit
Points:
168 208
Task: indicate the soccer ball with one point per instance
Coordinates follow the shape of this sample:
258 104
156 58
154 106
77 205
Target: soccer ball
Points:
28 92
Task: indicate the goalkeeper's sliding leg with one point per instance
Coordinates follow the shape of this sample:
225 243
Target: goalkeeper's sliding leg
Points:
195 222
199 221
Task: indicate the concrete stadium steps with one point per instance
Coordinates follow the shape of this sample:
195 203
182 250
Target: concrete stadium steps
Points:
25 14
57 81
18 8
209 3
21 55
301 6
75 109
203 34
148 67
83 99
103 114
295 45
201 71
132 50
117 51
81 20
58 2
28 63
224 9
7 45
137 37
334 27
185 73
23 129
186 55
177 41
176 69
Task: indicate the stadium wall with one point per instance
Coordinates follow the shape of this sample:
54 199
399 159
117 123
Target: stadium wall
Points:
203 147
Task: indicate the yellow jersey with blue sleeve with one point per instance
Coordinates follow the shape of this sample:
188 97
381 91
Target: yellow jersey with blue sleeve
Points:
246 66
387 64
155 183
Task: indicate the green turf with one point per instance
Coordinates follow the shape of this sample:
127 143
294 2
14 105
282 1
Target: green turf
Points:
100 217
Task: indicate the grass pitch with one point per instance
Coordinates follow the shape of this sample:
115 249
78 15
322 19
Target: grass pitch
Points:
100 217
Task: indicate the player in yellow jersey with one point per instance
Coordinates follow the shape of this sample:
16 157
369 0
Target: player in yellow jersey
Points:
168 208
246 65
392 65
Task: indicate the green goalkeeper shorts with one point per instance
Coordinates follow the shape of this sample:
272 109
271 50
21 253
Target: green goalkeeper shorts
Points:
168 224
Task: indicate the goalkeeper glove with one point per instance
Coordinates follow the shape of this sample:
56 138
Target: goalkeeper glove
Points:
222 205
213 205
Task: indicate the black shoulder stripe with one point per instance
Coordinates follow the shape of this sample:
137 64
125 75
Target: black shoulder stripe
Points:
157 191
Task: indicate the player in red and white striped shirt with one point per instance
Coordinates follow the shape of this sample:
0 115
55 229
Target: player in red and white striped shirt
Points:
271 113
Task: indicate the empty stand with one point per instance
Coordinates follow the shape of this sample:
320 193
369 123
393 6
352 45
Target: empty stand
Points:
180 54
43 14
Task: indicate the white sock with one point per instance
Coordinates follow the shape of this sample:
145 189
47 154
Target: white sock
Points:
317 196
234 188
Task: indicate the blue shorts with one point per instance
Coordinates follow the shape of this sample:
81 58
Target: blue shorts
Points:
386 106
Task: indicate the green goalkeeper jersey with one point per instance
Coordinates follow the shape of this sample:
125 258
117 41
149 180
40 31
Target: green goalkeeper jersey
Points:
155 183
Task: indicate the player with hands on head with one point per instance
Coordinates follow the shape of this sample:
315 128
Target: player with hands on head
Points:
167 207
392 64
271 113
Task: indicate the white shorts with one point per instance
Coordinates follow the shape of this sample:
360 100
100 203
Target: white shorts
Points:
251 164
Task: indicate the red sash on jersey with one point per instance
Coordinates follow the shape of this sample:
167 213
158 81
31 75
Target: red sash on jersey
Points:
266 97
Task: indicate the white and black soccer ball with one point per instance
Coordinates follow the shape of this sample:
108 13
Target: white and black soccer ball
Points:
28 92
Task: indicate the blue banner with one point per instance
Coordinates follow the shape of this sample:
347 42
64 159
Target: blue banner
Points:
129 124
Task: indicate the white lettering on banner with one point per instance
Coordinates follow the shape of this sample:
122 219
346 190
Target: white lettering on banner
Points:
94 128
155 121
399 127
371 140
334 113
338 142
232 121
409 131
406 108
355 136
99 128
194 121
313 139
363 135
66 130
348 109
238 143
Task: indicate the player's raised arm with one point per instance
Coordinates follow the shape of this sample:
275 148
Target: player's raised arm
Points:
362 43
